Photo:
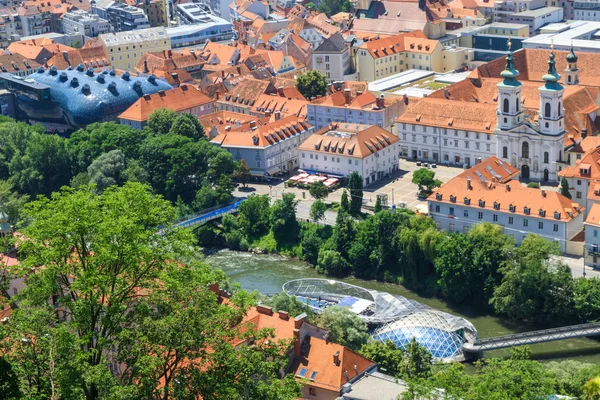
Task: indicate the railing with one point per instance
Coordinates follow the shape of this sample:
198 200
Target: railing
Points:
209 216
544 335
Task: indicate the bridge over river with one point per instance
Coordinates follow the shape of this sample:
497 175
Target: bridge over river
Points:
544 335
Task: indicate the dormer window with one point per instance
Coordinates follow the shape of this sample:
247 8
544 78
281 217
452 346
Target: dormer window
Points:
526 210
438 196
556 215
481 203
542 213
496 205
512 208
453 199
467 201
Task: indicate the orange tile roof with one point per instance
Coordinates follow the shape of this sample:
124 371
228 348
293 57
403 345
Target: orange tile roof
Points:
225 53
270 104
246 92
263 136
357 141
391 45
15 62
178 99
491 169
443 113
593 217
319 358
544 204
224 118
91 57
591 159
587 144
261 317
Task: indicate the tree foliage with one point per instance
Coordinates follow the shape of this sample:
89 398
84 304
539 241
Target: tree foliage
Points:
386 354
425 179
564 188
318 190
317 210
355 187
284 224
311 84
344 326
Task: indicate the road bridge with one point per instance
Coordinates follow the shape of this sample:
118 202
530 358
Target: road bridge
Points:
544 335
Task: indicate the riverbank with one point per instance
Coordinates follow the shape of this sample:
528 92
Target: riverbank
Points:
268 272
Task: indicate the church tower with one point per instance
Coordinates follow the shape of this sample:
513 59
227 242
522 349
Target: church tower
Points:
552 115
572 72
510 108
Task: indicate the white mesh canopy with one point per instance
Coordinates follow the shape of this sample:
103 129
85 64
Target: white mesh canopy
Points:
396 318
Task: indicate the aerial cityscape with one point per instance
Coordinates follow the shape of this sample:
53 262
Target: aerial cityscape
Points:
281 200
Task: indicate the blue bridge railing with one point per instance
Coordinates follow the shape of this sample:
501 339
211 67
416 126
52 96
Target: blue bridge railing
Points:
209 216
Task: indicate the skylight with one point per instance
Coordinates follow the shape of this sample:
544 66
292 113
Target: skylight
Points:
302 373
313 375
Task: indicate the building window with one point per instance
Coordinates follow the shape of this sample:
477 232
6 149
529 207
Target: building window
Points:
451 227
525 222
546 157
525 150
480 215
495 218
510 220
505 152
555 228
451 212
505 106
466 213
540 225
547 109
312 391
578 195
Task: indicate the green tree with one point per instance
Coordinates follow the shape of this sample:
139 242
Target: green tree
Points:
532 287
254 214
586 298
318 190
378 206
289 304
161 120
533 185
107 169
187 124
11 202
453 380
344 326
311 84
355 187
317 210
564 188
571 375
310 6
425 179
242 173
206 197
416 362
129 303
331 262
344 232
284 225
386 354
520 353
345 203
329 7
591 389
312 239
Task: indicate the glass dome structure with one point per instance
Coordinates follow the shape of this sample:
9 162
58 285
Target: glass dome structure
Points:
391 317
86 96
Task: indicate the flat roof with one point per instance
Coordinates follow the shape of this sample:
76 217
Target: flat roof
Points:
402 78
577 33
23 81
376 386
537 12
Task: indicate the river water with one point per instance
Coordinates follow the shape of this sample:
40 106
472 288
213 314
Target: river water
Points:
267 273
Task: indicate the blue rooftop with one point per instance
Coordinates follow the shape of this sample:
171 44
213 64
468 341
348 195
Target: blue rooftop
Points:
89 97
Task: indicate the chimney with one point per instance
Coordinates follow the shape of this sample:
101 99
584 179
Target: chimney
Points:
469 187
507 187
283 315
297 344
175 76
336 358
66 56
380 101
543 192
252 124
446 93
280 91
478 160
329 88
227 128
264 310
277 115
584 133
146 70
299 320
214 287
348 96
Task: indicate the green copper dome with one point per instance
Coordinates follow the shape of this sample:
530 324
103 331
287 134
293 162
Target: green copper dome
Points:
510 73
551 76
571 57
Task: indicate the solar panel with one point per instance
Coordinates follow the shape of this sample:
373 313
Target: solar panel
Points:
313 375
302 372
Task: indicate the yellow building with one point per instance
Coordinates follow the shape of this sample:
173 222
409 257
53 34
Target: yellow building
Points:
156 12
126 48
381 58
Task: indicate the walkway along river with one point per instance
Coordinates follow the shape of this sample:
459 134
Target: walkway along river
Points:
267 273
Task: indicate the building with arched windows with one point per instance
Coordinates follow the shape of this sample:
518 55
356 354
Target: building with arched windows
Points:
518 108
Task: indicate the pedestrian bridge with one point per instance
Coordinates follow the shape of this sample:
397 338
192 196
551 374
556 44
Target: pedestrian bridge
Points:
206 216
545 335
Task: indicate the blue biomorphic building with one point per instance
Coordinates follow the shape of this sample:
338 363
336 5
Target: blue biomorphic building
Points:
65 100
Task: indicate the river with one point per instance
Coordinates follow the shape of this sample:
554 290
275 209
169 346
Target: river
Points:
267 273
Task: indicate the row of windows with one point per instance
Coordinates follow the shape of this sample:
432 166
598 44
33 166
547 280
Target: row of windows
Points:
525 152
444 131
495 218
